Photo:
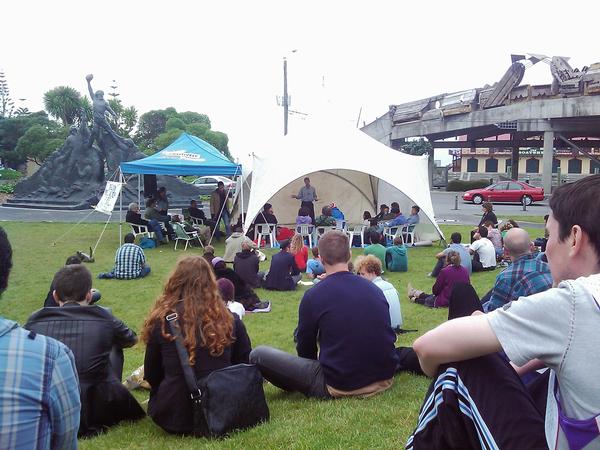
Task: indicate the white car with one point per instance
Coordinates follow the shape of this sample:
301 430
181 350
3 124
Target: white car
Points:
209 183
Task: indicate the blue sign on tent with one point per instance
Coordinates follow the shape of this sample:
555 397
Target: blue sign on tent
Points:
187 155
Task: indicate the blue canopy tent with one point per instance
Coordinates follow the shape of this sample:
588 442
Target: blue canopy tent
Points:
187 155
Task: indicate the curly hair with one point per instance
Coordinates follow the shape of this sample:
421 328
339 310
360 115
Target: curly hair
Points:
205 319
369 264
296 244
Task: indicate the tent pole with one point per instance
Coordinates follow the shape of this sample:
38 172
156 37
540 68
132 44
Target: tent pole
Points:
121 207
139 189
242 200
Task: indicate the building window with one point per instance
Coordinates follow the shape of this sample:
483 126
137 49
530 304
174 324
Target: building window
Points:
532 165
575 165
472 165
491 165
594 166
555 165
508 164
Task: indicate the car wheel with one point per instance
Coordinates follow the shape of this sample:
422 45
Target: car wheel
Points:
526 200
477 199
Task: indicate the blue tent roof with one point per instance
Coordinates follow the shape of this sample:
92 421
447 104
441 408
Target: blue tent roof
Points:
187 155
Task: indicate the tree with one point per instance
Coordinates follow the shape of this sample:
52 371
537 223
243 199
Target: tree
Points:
39 142
126 118
150 125
417 147
175 123
7 105
63 103
190 117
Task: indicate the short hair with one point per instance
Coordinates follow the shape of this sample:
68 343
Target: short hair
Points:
303 211
133 206
369 264
129 238
192 202
151 201
315 251
488 223
375 237
73 259
5 259
398 240
384 206
573 204
306 178
333 248
483 231
267 206
285 244
456 237
487 206
209 249
453 258
416 208
395 208
162 189
72 283
220 183
326 210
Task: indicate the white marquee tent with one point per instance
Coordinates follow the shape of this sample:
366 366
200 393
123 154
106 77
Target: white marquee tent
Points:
347 167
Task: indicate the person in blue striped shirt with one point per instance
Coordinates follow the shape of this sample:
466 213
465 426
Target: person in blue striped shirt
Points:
39 388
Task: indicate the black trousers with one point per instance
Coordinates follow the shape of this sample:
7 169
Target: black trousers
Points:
311 209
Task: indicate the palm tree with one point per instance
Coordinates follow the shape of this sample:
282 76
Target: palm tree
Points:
64 103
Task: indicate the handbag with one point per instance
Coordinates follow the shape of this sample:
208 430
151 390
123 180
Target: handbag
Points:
227 399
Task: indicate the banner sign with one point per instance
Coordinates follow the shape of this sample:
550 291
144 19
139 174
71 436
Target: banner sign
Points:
109 198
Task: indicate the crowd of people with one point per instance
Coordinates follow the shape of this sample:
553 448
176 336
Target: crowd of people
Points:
514 369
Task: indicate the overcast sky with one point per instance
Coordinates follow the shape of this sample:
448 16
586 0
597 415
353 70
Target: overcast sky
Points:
224 58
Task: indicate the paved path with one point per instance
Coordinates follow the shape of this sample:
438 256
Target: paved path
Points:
443 205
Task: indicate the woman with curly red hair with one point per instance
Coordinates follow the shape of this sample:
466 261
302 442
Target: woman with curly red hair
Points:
213 337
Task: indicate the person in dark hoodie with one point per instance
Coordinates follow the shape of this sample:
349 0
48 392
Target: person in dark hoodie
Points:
283 274
244 294
246 264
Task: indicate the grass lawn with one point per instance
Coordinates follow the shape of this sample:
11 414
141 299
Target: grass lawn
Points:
384 421
524 219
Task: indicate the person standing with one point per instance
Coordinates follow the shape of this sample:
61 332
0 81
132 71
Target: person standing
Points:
307 195
219 208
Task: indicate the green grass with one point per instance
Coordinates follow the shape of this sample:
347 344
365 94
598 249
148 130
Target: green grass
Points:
384 421
524 219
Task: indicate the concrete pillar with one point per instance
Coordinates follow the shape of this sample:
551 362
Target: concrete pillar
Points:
547 162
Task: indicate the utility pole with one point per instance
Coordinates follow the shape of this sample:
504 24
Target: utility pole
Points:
285 97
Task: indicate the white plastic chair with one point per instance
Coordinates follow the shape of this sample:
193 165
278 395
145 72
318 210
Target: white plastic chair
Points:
408 233
306 231
140 230
356 230
266 230
391 233
322 230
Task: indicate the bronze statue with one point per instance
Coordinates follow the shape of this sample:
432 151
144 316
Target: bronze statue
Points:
100 108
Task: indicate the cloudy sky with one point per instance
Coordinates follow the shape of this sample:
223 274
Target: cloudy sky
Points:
225 58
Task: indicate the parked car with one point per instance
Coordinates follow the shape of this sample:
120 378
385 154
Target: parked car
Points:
208 184
505 191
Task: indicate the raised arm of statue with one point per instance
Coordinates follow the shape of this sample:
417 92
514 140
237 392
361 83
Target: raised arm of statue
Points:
89 80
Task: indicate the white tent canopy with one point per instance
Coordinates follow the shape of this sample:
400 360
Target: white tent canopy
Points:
347 167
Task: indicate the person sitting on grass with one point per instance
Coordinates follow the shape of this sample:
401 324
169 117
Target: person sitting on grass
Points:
376 248
246 265
373 228
130 261
39 394
456 246
483 251
396 257
233 244
244 294
97 339
300 251
495 238
450 275
557 329
227 291
214 339
369 267
325 219
314 266
134 217
283 275
49 302
345 343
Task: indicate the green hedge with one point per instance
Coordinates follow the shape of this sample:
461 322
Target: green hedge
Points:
10 174
459 185
7 188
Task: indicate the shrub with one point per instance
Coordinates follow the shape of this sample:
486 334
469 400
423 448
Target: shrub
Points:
460 185
10 174
7 188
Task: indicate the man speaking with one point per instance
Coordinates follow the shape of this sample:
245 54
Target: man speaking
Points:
307 196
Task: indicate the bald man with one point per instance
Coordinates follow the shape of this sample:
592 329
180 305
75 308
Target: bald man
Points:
527 274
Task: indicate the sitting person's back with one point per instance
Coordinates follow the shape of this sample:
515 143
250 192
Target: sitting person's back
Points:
283 274
130 261
244 294
314 266
300 251
246 265
303 217
91 332
396 257
483 251
325 219
233 244
376 248
227 343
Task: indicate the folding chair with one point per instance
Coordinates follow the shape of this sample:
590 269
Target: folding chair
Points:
187 236
306 231
266 230
356 230
140 230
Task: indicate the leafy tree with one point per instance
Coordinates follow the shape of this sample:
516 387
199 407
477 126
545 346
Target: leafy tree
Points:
175 123
63 103
12 129
190 117
167 137
39 142
219 141
126 118
150 125
417 147
197 129
6 103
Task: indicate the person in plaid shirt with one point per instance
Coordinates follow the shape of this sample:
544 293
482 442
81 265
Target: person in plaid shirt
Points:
39 388
527 275
130 261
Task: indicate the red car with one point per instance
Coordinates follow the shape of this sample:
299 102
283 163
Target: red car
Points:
505 191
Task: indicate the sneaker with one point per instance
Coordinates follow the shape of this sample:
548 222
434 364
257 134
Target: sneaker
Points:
262 307
430 274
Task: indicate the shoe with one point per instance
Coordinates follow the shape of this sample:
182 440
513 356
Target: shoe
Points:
262 307
410 290
430 274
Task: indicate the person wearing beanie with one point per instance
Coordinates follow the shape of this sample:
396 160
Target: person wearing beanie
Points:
227 290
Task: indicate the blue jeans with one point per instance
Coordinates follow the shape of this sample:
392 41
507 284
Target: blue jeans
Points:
226 221
145 271
154 226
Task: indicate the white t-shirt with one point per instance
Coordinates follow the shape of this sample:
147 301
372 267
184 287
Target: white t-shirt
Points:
236 307
561 327
486 251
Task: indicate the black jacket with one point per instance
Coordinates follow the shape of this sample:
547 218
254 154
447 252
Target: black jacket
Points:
243 293
245 264
133 217
283 266
170 405
488 216
197 213
91 332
